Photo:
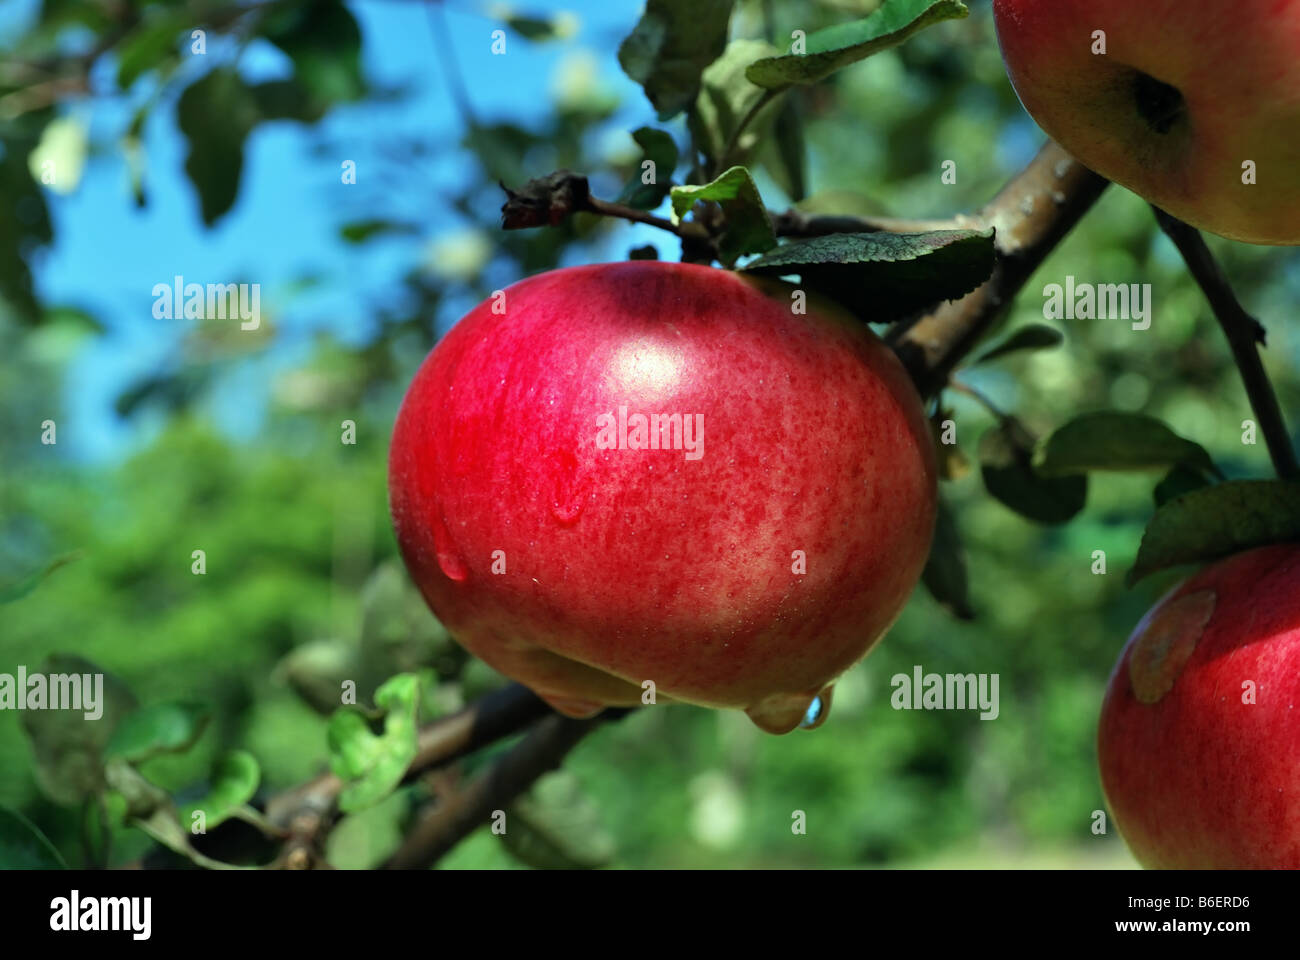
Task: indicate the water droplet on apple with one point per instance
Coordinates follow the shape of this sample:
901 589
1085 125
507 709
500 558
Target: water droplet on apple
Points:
818 710
449 561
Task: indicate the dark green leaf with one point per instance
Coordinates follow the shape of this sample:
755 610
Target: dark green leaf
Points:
24 216
1218 521
658 147
532 28
374 765
1005 463
150 44
1178 481
882 277
287 100
1112 440
234 782
726 98
836 47
68 746
171 727
16 591
670 47
216 114
945 571
359 231
24 847
324 42
749 229
1032 336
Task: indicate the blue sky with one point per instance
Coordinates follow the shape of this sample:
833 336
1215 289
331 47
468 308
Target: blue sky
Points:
108 255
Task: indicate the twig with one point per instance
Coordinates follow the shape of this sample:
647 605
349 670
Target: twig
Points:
455 817
1030 216
1244 334
307 812
733 141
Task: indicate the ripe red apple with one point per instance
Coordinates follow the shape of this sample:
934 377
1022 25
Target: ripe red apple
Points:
1199 742
581 565
1185 94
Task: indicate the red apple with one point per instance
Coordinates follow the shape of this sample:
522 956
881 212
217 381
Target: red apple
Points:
1184 95
1199 742
583 566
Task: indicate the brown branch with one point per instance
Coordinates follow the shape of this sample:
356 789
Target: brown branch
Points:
1244 334
1030 215
454 817
308 812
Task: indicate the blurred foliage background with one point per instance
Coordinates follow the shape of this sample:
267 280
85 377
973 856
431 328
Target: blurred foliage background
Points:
182 435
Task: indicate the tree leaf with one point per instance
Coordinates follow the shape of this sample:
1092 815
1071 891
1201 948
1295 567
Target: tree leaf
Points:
1218 521
287 99
945 570
150 44
16 591
170 727
1007 469
324 42
1032 336
671 45
24 847
882 277
375 764
1114 440
787 163
359 231
656 146
234 782
836 47
1178 481
749 229
67 745
725 98
216 114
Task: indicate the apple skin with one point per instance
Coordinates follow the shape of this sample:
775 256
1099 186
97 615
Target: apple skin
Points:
1195 778
1236 64
627 565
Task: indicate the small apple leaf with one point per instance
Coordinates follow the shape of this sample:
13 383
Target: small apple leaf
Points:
659 148
24 847
945 571
669 48
1032 336
883 277
68 746
1113 440
1218 521
16 591
359 231
726 98
234 781
1009 475
835 47
1179 480
216 113
749 228
171 727
375 764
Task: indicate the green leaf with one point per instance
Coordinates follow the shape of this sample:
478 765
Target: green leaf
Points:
21 237
375 765
216 114
1112 440
68 746
836 47
945 570
1218 521
359 231
536 29
1032 336
234 782
171 727
24 847
658 147
882 277
16 591
1178 481
726 98
1007 469
749 229
557 827
324 42
151 44
287 99
669 48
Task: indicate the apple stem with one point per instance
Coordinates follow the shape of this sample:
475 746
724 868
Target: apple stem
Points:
1244 333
